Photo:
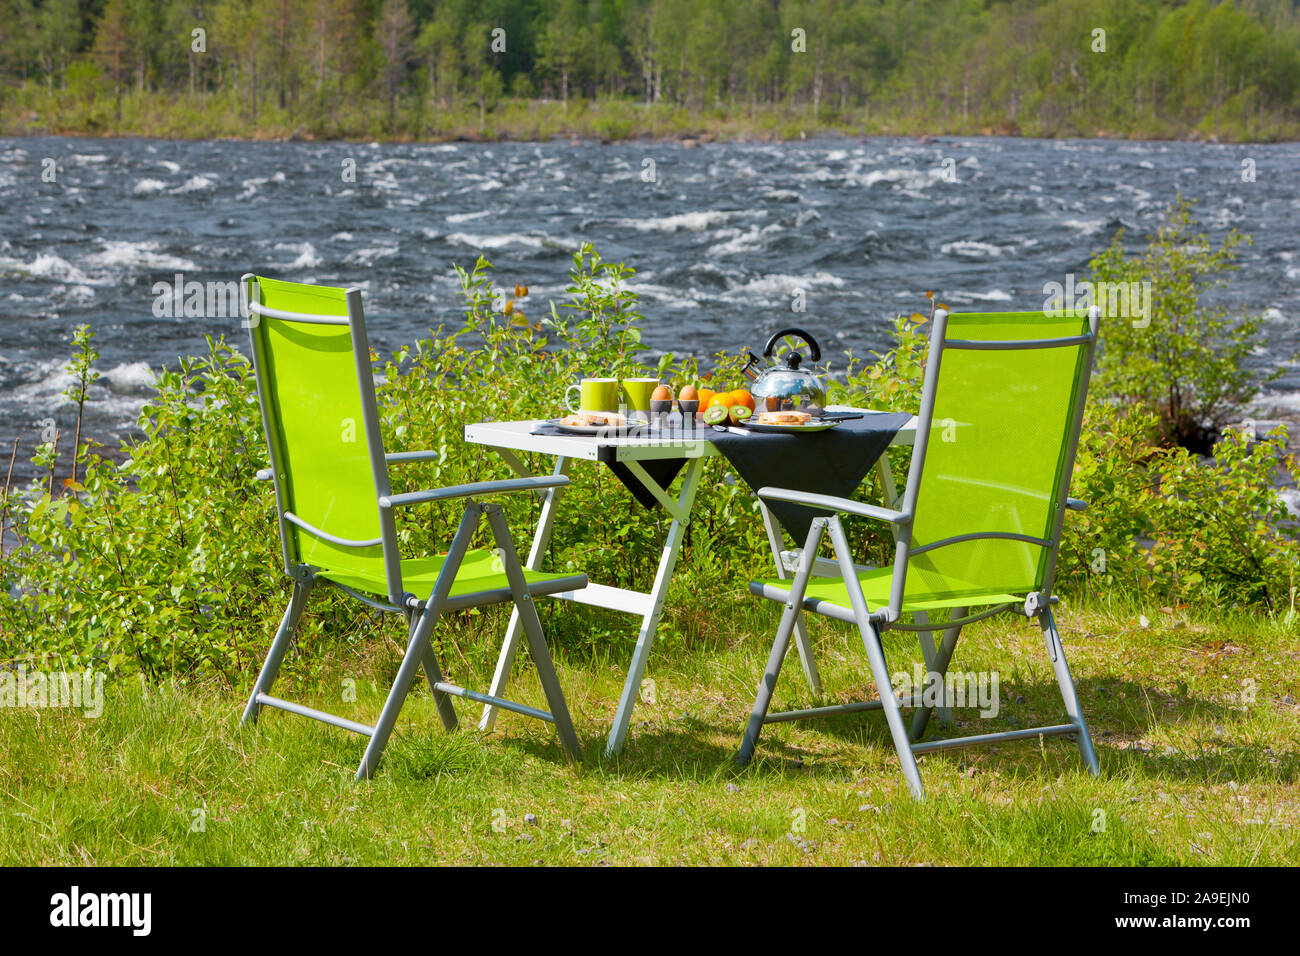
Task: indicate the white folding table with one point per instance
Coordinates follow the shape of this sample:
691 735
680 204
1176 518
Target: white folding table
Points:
509 438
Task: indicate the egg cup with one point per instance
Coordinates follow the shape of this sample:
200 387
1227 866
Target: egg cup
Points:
660 408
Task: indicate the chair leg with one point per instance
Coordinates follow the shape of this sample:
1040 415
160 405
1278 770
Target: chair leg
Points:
279 647
790 618
768 684
802 642
418 647
876 655
509 647
939 665
929 653
433 676
1068 694
532 626
889 704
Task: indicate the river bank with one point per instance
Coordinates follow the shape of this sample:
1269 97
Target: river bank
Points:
36 111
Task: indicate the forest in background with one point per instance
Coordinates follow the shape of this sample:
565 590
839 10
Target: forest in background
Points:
429 69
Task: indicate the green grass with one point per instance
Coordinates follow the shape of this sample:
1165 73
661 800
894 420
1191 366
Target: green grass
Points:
1190 773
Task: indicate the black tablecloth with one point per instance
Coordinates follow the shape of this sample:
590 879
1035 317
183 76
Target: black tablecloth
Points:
832 462
662 470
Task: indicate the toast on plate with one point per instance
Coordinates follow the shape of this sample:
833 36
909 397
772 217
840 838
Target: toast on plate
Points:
594 420
784 418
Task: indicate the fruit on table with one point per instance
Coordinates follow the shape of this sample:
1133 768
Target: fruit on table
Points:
739 413
742 397
715 414
708 398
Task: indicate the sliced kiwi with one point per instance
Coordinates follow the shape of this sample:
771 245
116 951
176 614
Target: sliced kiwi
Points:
715 414
740 414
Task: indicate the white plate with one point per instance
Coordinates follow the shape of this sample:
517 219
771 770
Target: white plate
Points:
624 429
814 426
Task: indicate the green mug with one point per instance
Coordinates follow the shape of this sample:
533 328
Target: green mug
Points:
637 392
594 395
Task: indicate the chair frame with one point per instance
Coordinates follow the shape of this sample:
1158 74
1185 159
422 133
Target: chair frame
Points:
420 615
872 624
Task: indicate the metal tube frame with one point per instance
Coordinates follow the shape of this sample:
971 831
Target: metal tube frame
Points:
802 642
648 606
420 619
467 491
937 660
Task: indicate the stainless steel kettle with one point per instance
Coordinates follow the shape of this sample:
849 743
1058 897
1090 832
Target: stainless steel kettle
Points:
783 386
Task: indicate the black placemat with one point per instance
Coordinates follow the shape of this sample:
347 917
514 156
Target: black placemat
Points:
832 462
662 470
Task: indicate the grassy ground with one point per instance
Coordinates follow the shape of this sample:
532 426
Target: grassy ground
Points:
1193 770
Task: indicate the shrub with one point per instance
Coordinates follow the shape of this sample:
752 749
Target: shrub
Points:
1162 522
168 562
160 563
1177 528
1188 362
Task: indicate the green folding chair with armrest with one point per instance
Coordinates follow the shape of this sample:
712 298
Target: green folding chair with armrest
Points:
311 357
979 523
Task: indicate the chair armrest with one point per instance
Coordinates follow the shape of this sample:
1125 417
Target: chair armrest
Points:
401 457
1076 504
264 474
832 503
477 488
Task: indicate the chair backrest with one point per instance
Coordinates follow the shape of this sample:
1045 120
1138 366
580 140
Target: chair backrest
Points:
311 357
1001 409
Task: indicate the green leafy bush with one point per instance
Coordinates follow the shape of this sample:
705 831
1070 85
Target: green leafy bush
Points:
1178 528
168 561
161 562
1185 360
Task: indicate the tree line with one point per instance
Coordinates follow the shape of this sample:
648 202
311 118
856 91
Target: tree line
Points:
1037 66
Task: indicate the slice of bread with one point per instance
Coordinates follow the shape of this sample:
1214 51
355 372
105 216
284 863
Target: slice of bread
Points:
784 418
594 420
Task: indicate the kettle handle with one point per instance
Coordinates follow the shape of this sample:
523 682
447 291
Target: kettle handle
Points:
815 352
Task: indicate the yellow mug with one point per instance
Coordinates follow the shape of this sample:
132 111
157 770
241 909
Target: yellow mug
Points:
594 395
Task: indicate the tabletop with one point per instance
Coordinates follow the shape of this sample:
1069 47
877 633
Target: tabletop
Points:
616 448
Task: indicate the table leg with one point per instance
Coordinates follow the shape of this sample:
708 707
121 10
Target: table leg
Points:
650 623
514 630
925 638
801 640
887 487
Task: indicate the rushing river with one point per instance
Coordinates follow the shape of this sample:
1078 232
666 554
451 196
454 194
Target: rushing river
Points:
721 236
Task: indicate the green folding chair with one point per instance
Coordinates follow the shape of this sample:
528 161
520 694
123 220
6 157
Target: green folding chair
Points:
336 511
978 526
